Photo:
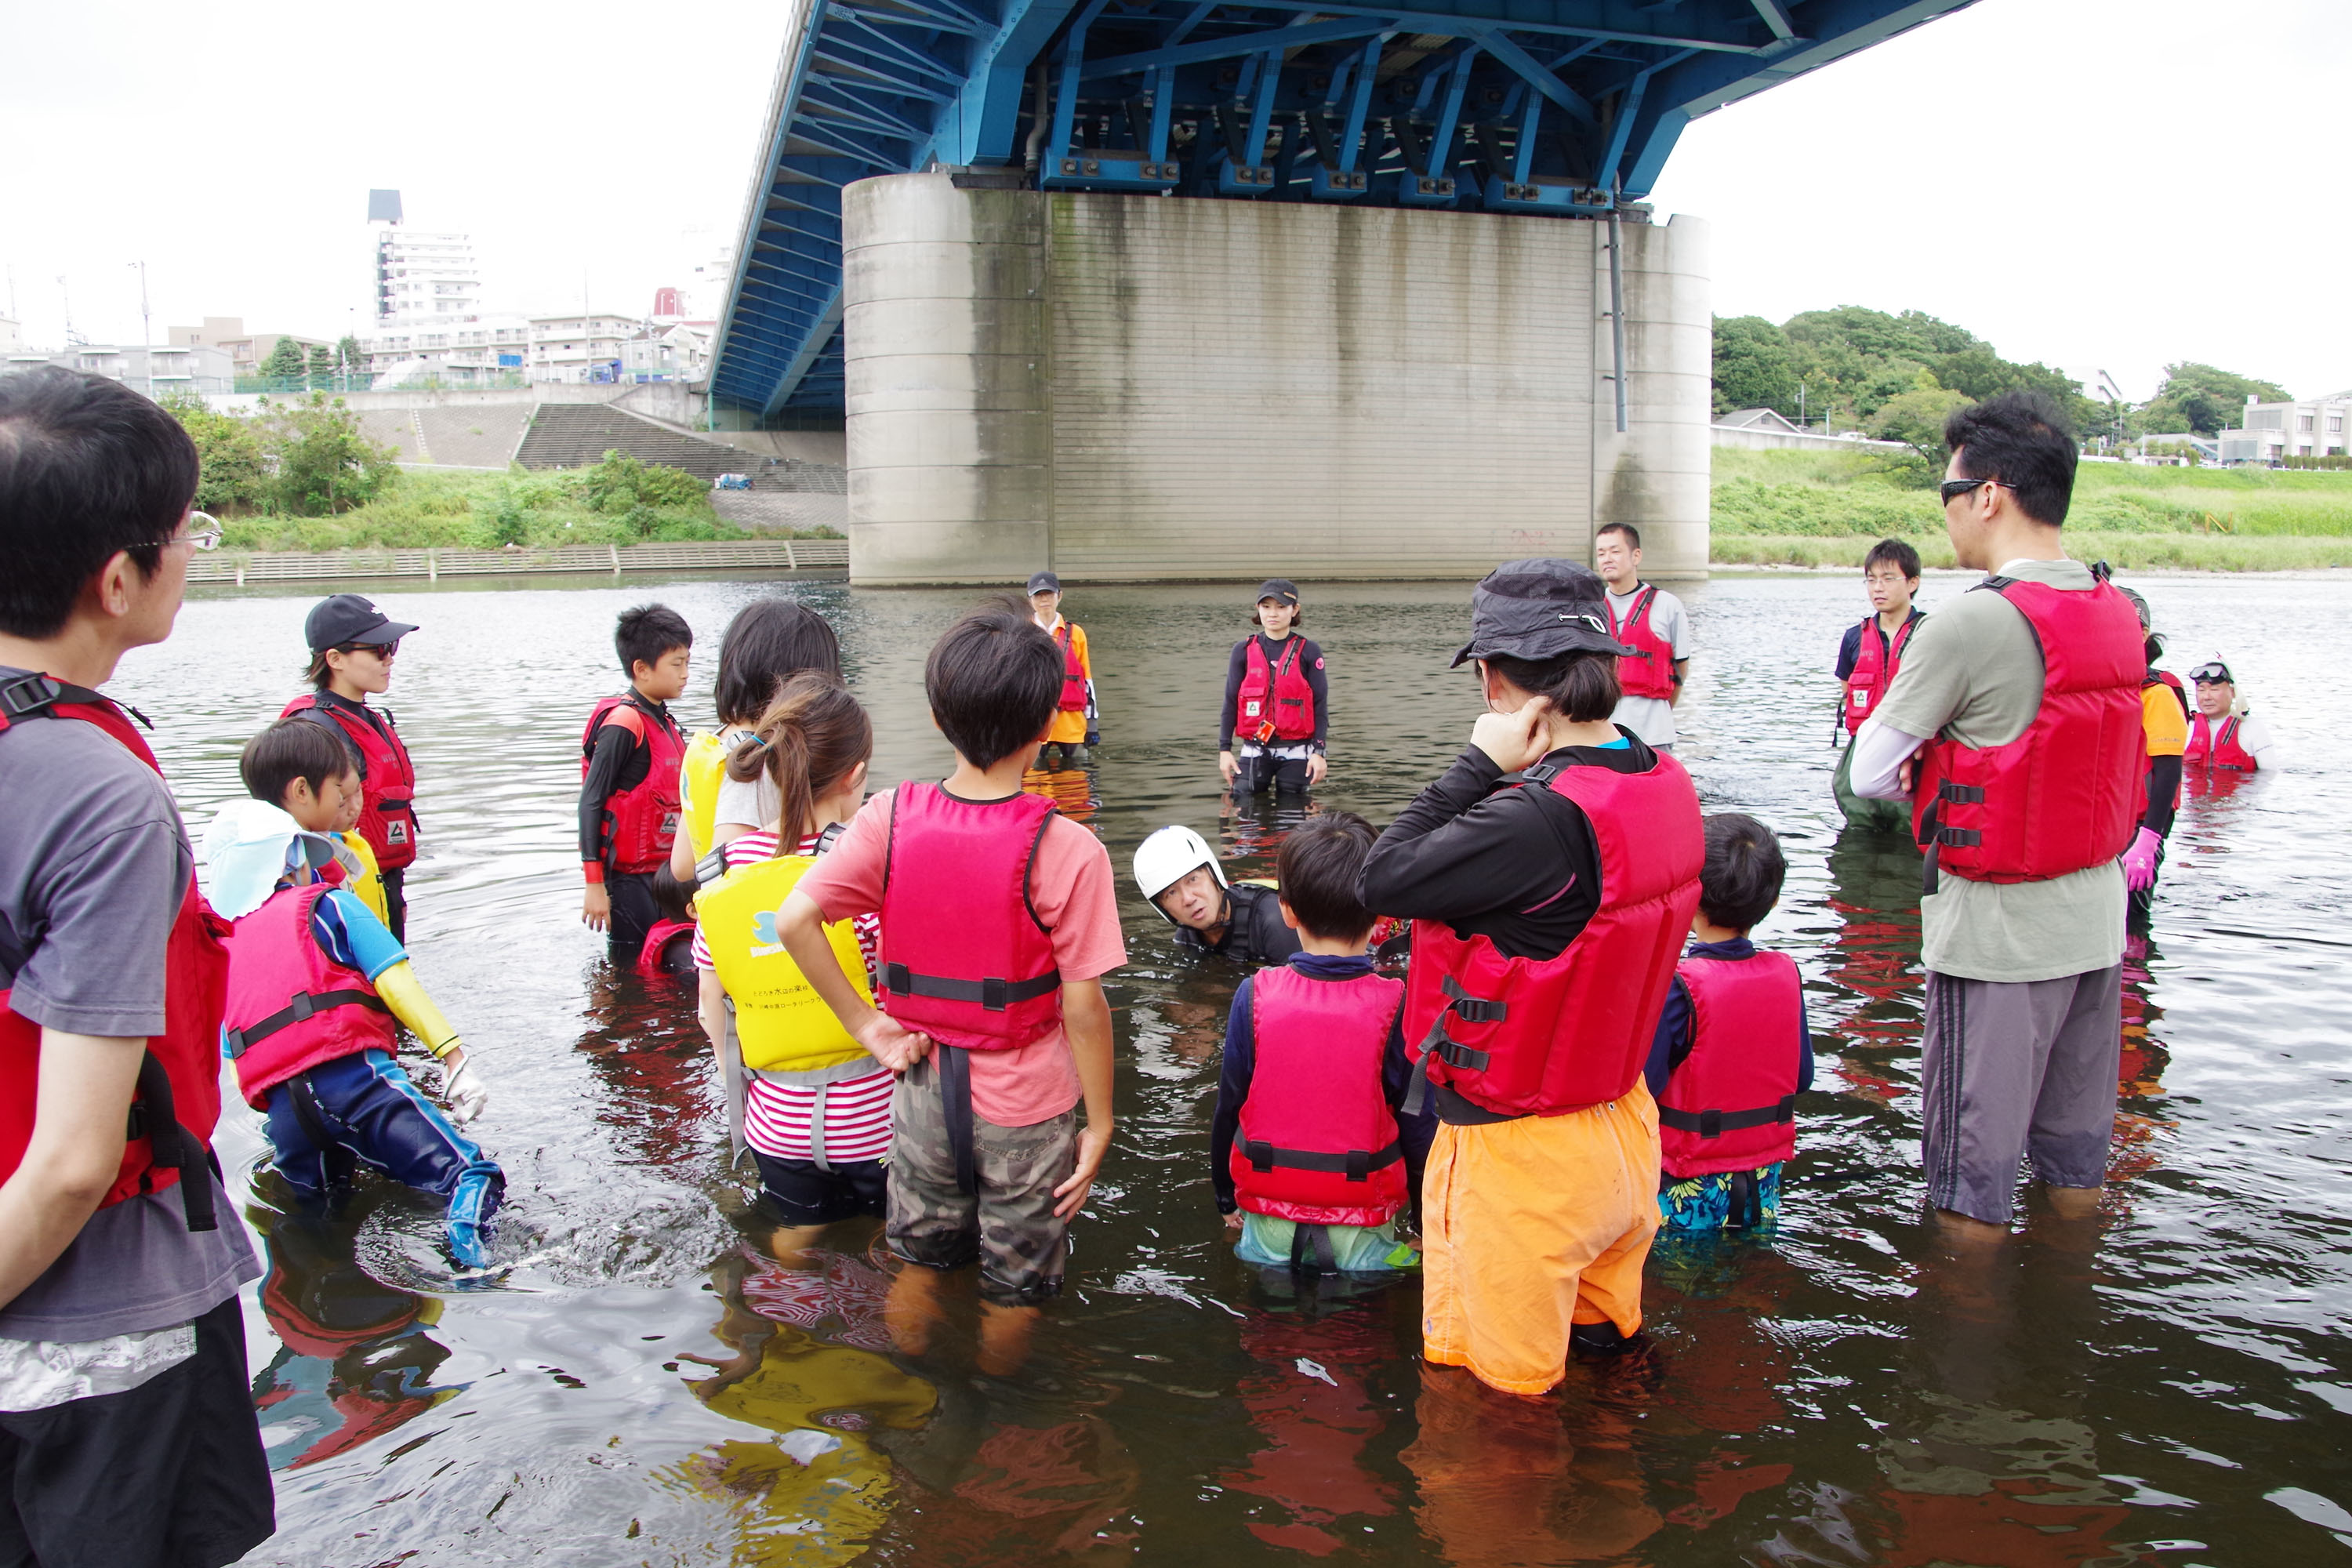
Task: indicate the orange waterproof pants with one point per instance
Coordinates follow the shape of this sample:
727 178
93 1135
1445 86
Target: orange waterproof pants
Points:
1531 1227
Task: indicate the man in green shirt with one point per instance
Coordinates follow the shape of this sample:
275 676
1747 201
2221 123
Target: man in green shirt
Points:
2024 983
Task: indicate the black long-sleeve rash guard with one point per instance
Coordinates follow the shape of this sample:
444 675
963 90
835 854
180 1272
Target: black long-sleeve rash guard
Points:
1309 664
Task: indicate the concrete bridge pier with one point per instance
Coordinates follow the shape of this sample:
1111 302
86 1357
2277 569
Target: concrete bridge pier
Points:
1130 388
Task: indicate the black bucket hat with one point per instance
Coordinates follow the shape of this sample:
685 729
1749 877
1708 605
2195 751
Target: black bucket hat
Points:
1540 609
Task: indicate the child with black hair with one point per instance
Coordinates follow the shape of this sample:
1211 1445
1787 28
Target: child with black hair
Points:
1733 1049
305 772
999 918
1311 1160
630 755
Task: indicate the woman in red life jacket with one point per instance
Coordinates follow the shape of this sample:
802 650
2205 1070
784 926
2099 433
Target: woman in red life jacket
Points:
1868 657
1732 1050
1073 729
2223 735
630 755
1551 875
352 645
1310 1160
1276 716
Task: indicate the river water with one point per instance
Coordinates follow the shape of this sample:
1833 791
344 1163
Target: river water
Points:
2167 1384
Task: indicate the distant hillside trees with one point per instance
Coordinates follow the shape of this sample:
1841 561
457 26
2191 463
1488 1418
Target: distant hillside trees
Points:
2200 399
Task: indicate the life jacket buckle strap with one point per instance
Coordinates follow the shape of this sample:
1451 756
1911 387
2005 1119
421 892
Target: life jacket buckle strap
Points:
28 694
1474 1009
1962 837
1260 1155
300 1007
1456 1054
1960 794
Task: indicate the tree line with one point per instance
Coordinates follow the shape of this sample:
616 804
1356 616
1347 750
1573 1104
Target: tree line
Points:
291 361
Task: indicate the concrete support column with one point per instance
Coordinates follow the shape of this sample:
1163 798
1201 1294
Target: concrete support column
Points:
1656 476
949 445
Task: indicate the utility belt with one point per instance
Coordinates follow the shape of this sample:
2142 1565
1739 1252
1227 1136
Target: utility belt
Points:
1716 1123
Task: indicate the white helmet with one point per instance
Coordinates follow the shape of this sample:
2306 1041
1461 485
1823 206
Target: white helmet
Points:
1167 857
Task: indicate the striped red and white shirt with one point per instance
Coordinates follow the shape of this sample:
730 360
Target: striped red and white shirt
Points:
776 1116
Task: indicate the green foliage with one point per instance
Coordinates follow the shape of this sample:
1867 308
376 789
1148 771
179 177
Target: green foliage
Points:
323 463
234 469
2204 399
285 359
2130 552
1917 419
349 358
319 360
1755 367
640 491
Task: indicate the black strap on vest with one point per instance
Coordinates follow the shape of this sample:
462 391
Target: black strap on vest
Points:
154 1117
1311 1251
1716 1123
1437 1043
1746 1208
305 1004
955 1101
992 995
1356 1164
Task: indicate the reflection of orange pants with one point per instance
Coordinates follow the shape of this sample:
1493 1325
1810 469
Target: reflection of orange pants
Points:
1531 1227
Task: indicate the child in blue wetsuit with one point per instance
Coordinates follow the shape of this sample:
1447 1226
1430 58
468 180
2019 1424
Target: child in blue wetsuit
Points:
1312 1159
1733 1050
315 984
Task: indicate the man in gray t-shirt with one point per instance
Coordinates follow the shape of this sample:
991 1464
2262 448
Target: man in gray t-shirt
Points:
2024 978
1617 556
129 1423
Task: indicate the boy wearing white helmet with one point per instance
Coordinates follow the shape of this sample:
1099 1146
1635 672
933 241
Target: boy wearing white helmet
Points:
1179 873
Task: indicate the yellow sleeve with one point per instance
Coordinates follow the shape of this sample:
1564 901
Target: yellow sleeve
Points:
2160 716
1079 641
404 994
368 883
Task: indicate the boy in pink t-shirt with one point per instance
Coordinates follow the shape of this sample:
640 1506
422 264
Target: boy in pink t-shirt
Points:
999 918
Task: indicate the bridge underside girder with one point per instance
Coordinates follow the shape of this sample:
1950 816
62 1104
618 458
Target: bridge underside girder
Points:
1540 107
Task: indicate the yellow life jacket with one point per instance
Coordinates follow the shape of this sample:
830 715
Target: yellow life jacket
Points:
361 875
783 1023
699 778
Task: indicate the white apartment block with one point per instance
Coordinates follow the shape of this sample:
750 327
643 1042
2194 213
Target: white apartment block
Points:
579 348
2269 431
201 368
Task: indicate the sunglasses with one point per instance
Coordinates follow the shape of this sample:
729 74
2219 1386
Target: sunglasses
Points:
380 649
1953 490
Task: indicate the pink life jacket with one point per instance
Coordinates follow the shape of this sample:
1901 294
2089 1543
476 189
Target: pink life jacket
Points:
1318 1144
2217 748
291 1007
1649 669
1874 664
1732 1103
1524 1036
964 957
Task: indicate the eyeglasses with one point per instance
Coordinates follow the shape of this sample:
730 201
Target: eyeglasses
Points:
1953 490
203 533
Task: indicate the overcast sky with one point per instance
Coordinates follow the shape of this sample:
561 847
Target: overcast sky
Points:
2117 182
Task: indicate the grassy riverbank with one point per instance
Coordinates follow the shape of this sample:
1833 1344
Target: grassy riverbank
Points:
1816 508
489 510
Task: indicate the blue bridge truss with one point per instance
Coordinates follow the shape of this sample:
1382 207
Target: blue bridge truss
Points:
1542 106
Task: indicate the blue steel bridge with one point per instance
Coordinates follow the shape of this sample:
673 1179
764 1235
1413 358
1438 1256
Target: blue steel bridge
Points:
1556 107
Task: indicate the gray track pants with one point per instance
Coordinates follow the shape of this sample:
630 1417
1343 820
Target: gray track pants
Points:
2017 1069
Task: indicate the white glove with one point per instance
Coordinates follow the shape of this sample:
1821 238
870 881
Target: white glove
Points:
462 1088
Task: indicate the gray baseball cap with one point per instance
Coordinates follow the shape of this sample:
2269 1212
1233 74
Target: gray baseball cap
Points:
1540 609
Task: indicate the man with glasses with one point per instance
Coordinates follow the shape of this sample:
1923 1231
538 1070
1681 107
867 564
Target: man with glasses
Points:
2014 729
127 1429
352 645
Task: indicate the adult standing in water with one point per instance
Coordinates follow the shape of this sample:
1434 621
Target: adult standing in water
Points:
1067 735
2224 734
2015 727
352 645
1868 657
1551 875
1277 710
1655 630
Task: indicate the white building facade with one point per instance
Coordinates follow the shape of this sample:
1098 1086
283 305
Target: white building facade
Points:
2269 432
200 369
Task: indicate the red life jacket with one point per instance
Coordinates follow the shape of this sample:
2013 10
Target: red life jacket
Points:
2069 793
387 778
177 1102
291 1007
1525 1036
956 961
1732 1103
1874 664
1318 1143
1278 694
1074 671
640 822
2218 749
1649 669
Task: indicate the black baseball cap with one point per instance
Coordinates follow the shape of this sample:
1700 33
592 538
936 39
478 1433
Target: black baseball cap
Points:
344 618
2212 672
1045 582
1281 590
1540 609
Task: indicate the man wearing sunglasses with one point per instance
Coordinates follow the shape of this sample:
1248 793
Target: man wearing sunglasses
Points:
352 645
2014 729
127 1429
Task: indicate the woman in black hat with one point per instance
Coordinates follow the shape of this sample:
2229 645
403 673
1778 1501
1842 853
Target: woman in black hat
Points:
351 648
1277 707
1550 876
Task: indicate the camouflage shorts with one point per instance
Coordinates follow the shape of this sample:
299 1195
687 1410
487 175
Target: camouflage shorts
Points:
1009 1225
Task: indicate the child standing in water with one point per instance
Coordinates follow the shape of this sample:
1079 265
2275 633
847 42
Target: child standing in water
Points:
1733 1049
1306 1152
808 1100
1278 711
1868 657
629 760
999 918
307 773
1071 721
